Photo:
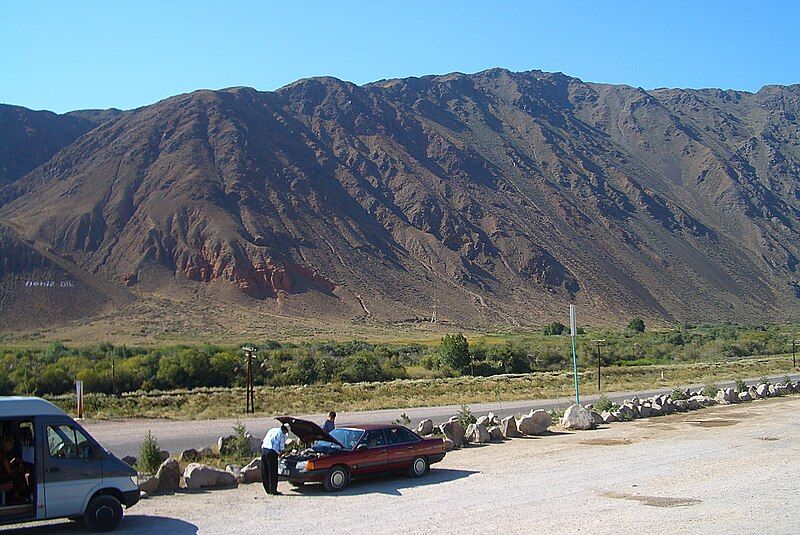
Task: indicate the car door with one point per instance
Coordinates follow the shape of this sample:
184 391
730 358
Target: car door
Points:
70 471
370 453
402 448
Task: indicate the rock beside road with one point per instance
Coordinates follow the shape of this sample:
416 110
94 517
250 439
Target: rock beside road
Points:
454 432
478 434
169 476
577 418
148 483
425 427
509 427
198 476
251 473
534 423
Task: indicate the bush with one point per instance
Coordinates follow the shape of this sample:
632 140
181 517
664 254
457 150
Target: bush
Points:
710 390
149 457
636 325
554 329
239 446
402 420
764 381
603 404
465 417
454 351
678 393
741 386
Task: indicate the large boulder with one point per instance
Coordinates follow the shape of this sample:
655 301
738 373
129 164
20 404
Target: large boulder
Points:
484 420
478 434
509 427
169 476
597 418
645 411
726 396
496 433
682 405
534 423
772 391
425 427
762 390
163 455
656 409
745 396
493 419
251 473
148 483
449 445
199 476
578 418
236 470
189 456
453 431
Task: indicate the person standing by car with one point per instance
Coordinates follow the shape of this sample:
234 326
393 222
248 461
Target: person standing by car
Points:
273 444
330 423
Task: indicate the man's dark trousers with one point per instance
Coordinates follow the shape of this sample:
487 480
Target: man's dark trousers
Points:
269 470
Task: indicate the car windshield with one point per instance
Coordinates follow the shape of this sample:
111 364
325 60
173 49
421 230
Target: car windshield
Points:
348 437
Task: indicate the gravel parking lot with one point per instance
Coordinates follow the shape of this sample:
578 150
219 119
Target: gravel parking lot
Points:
728 468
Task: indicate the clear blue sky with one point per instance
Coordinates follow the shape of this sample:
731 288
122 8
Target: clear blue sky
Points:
62 55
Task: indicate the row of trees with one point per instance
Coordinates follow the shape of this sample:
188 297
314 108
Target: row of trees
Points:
116 369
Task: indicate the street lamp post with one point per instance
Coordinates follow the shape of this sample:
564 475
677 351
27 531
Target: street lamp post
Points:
250 406
599 343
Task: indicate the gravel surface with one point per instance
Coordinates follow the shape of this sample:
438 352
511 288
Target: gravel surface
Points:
727 468
122 437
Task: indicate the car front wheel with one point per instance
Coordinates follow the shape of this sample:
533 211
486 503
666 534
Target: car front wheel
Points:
103 513
337 478
418 467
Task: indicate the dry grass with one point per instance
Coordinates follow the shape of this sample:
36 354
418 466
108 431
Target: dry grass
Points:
228 402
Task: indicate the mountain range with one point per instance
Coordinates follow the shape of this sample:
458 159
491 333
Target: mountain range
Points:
491 200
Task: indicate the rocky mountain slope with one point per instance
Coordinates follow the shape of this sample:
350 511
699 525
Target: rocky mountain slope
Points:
495 198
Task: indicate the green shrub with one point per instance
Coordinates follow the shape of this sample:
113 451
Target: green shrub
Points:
465 417
402 420
764 381
710 390
454 351
678 393
238 447
603 404
554 329
149 457
741 386
636 325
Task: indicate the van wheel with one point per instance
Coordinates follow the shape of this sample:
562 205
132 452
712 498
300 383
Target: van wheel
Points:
418 467
337 478
103 513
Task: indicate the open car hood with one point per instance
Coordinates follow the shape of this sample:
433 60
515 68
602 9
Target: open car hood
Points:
307 431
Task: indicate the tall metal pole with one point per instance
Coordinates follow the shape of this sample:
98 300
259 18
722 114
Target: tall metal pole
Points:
599 362
250 406
794 353
573 331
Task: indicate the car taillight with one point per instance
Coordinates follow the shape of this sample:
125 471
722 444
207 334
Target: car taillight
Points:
309 465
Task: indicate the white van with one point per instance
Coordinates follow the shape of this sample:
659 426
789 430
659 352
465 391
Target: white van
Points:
50 467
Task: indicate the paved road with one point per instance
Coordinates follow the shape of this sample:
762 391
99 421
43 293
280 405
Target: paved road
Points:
123 437
725 469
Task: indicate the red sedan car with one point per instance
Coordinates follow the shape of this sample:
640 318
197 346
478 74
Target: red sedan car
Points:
347 452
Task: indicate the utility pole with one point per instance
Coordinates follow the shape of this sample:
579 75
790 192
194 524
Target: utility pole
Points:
250 406
599 362
573 332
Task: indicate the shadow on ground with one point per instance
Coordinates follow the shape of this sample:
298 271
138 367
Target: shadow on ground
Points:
391 485
139 524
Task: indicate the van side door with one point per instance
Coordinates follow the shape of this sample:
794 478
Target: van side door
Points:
71 471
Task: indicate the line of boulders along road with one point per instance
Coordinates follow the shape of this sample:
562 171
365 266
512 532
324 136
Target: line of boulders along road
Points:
491 428
483 430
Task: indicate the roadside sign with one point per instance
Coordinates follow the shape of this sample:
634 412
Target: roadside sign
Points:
573 328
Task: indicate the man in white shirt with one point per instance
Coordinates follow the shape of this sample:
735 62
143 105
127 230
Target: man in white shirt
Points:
273 444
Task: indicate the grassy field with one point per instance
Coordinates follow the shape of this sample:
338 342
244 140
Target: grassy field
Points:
209 403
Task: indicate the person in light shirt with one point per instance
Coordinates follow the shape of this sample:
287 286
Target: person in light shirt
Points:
273 444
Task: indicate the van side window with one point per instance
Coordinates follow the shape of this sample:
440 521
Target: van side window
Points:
66 442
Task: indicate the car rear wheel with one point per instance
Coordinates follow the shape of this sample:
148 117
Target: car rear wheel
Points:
418 467
103 513
337 478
